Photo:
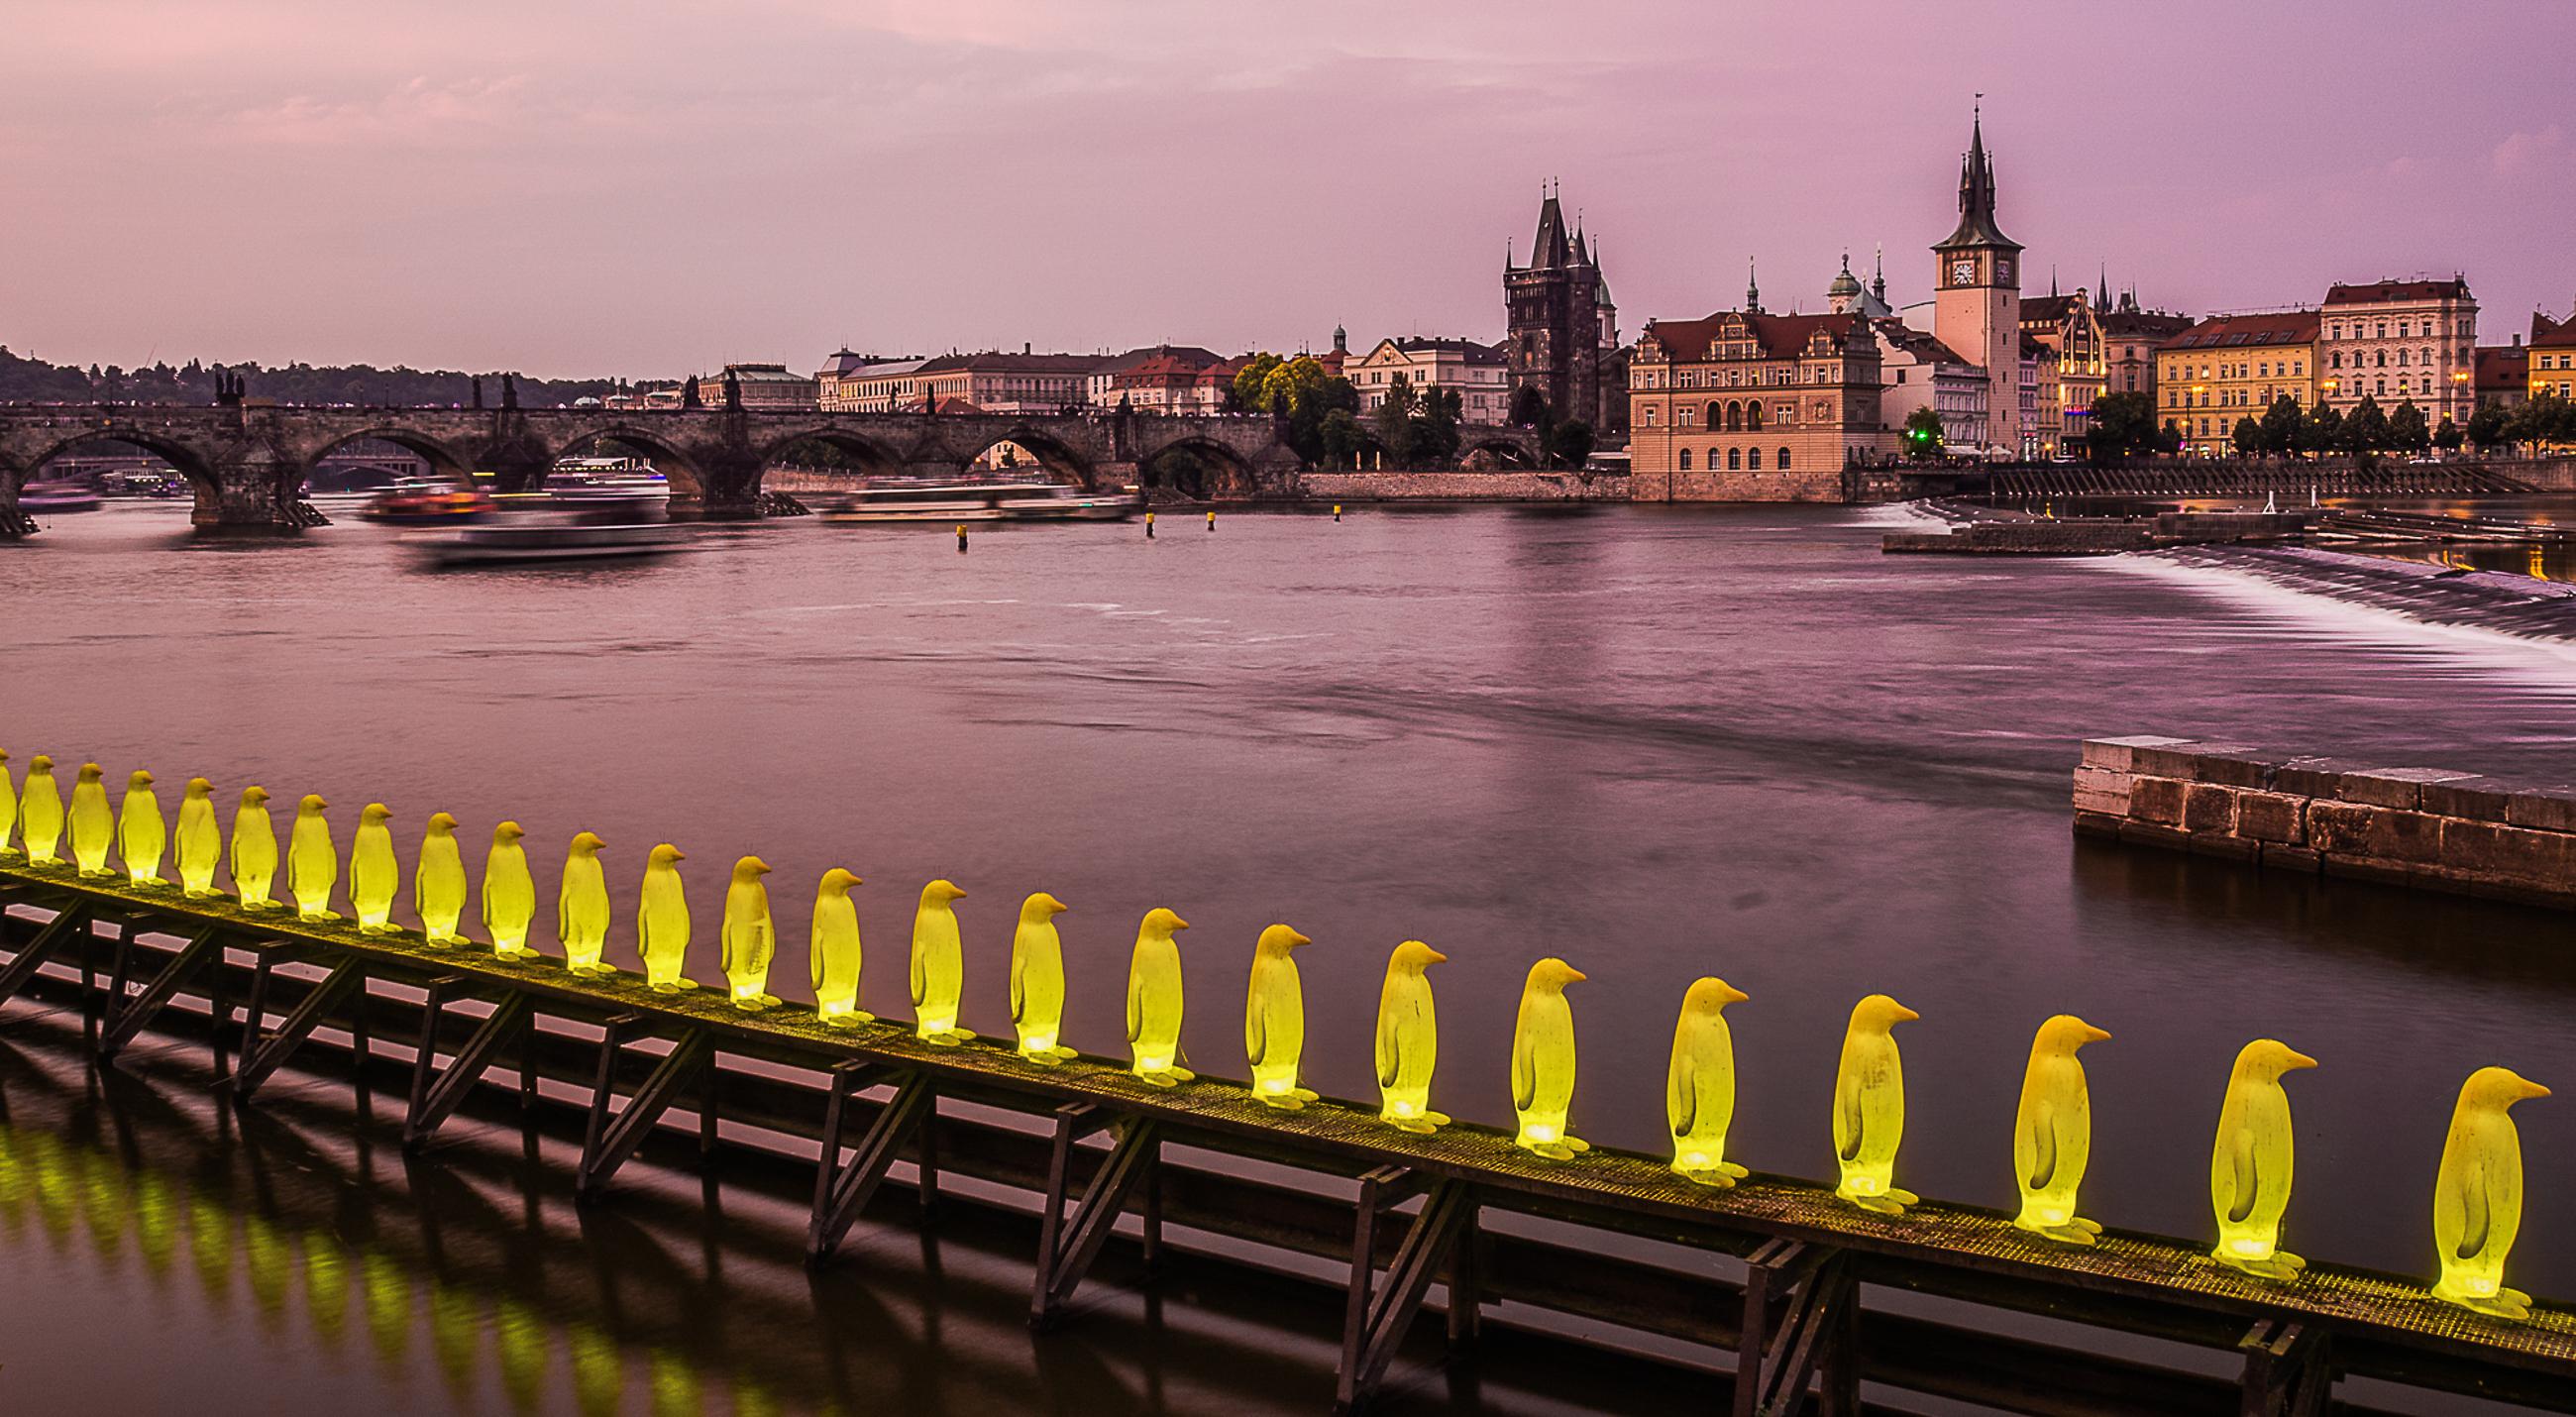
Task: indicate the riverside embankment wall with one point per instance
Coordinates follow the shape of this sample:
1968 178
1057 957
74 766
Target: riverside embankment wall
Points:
1462 487
2436 828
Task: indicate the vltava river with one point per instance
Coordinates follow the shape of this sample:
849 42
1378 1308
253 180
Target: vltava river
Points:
1658 743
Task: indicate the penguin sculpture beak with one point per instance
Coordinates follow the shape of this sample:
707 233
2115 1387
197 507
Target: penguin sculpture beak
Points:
2533 1089
2095 1035
678 855
1295 939
1733 994
2296 1060
1179 924
1904 1014
1434 956
1574 975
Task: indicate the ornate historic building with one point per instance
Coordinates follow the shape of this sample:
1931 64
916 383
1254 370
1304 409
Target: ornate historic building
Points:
1978 310
1564 338
2129 339
1748 407
2071 328
2229 367
2401 340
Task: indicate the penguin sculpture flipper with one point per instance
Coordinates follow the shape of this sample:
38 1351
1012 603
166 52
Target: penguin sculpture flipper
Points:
1135 1006
1019 988
2245 1171
2473 1211
915 976
2043 1145
1524 1073
1855 1121
1256 1036
1389 1048
1681 1097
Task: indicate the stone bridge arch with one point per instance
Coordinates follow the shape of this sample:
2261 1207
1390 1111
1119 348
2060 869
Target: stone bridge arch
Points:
1057 456
687 477
190 460
444 461
1234 477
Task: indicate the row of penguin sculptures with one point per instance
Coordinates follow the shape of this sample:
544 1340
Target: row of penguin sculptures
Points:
2477 1206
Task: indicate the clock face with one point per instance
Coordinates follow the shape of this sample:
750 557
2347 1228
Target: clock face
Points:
1963 271
2003 273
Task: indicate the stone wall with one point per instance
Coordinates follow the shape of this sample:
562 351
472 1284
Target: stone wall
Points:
2430 827
1462 487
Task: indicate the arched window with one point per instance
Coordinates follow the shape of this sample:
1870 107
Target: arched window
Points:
2401 359
2382 361
1685 460
1753 459
1716 414
1734 418
1783 463
1734 459
1753 416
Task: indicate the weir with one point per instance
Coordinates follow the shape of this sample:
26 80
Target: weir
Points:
854 1104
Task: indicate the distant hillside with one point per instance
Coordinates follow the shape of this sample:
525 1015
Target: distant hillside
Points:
25 380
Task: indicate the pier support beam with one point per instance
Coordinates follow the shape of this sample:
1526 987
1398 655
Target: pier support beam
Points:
436 1094
1801 1321
1066 1250
127 1017
842 1191
1376 1319
2289 1371
611 1138
57 932
263 1054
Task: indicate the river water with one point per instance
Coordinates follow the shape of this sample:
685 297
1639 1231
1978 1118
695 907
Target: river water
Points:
1658 743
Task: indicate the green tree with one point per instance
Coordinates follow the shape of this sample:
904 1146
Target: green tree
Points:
1392 419
1340 437
2321 432
2407 432
2248 437
1922 434
2124 425
2281 426
2366 431
1435 428
1252 382
2448 437
2486 425
1569 444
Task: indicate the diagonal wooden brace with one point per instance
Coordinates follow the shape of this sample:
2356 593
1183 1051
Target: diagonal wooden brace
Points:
1377 1318
127 1017
263 1054
842 1191
1801 1310
611 1138
2289 1371
1067 1247
66 925
436 1093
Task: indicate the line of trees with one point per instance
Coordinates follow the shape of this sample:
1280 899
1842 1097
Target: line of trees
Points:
28 380
2126 425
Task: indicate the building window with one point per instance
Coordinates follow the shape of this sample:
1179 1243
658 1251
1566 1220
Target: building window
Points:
1734 460
1753 459
1716 415
1682 416
1783 463
1684 464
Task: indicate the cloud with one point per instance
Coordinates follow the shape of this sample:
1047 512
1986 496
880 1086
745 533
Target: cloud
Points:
2525 153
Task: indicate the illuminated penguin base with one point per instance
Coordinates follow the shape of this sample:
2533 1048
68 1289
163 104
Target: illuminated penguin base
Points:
509 893
1274 1020
1543 1061
2053 1132
312 862
1408 1040
749 936
1037 982
2249 1166
835 955
8 808
1154 1001
581 908
1699 1093
938 975
254 851
662 921
375 877
2477 1198
40 812
200 844
93 826
1869 1107
438 882
140 836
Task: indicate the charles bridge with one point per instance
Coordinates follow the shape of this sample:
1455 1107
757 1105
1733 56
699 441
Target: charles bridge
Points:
248 463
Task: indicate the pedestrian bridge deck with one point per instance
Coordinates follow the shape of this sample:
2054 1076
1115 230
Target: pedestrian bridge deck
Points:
1805 1251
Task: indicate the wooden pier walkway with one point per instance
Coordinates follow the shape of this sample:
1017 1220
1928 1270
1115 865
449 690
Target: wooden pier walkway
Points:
855 1102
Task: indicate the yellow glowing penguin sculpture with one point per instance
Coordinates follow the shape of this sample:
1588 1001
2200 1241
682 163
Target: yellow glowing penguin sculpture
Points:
438 882
254 850
93 825
1408 1040
835 952
1154 1001
662 921
1699 1090
2053 1133
312 863
1037 981
749 936
2249 1167
40 812
1274 1020
200 844
2477 1199
375 877
938 966
140 836
509 893
581 908
8 808
1869 1107
1543 1061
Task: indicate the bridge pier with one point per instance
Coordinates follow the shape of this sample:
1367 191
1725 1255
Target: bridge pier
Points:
243 496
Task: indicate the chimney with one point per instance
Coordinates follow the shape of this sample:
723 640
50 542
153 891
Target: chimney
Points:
2517 342
1024 346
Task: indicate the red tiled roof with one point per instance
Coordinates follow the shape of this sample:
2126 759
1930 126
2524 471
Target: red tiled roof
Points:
2503 368
1777 336
1918 343
2234 331
992 362
2547 333
2380 292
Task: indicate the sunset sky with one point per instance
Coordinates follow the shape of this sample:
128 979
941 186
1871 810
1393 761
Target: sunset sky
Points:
646 188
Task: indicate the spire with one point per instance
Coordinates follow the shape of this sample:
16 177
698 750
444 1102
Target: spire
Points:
1878 277
2102 284
1550 249
1752 289
2052 280
1977 194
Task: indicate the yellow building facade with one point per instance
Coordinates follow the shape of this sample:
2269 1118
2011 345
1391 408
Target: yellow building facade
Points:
2229 367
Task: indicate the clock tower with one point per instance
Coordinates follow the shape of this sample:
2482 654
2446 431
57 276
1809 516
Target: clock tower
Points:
1978 311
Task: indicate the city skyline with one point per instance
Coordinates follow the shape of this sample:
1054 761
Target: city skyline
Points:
587 192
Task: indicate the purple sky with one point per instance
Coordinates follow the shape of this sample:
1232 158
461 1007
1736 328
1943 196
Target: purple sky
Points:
646 187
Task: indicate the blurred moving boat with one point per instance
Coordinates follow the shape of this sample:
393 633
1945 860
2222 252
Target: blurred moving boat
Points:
978 502
419 504
56 498
607 531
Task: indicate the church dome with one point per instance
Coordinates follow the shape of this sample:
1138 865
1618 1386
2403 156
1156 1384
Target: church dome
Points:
1846 286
